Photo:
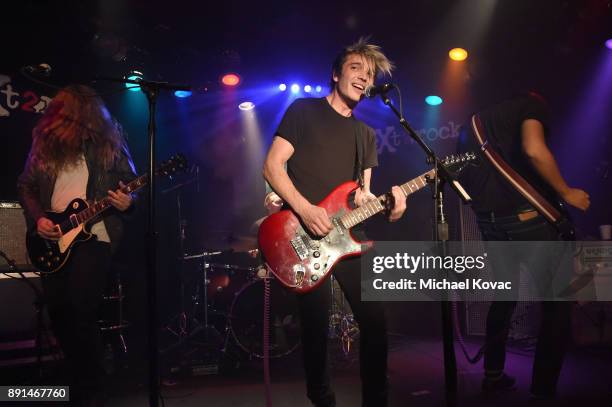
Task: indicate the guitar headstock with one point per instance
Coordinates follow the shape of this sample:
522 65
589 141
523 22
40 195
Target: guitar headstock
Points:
456 162
175 164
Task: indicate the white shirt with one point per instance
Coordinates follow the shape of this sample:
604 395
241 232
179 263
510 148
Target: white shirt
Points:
71 183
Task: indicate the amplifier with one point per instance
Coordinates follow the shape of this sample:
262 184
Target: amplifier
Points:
12 235
525 321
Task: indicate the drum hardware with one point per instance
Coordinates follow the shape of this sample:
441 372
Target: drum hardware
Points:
201 255
233 295
245 318
117 323
185 325
112 325
216 286
225 303
342 324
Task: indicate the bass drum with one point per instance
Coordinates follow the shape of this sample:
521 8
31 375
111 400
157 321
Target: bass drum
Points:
246 319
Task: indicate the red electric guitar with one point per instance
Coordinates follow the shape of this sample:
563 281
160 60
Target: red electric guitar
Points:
300 261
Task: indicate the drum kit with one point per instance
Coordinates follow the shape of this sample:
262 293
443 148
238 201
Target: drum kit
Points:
223 304
230 300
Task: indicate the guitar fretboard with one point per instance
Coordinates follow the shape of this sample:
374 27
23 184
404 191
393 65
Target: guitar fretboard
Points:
377 205
98 207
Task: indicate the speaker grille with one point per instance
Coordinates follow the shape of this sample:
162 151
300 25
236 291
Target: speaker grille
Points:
525 319
12 235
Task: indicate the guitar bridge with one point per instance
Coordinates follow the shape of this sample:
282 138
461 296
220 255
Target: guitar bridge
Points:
300 247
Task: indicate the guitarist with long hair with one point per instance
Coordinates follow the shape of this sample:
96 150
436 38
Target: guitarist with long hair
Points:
319 144
78 151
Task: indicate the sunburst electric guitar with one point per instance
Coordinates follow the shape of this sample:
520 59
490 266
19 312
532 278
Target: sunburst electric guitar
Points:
49 256
300 261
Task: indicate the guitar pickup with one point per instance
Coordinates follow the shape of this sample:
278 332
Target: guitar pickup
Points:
300 247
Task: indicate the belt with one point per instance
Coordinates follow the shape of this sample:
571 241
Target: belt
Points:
521 215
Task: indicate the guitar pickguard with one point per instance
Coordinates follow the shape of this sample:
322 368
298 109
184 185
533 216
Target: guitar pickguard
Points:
318 255
66 240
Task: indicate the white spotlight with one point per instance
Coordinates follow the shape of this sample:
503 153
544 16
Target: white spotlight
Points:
246 106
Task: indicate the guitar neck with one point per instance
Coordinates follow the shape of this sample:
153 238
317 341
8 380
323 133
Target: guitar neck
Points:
100 206
377 205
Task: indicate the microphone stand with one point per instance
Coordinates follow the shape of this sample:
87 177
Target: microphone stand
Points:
440 234
151 89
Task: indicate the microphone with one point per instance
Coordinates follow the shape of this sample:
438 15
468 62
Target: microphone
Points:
373 90
40 69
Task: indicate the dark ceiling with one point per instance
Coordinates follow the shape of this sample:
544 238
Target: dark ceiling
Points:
194 41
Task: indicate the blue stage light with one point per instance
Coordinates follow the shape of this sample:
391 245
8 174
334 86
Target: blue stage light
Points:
182 93
433 100
134 75
295 88
282 87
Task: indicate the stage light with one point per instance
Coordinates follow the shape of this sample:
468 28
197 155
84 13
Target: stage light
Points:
246 106
282 87
295 88
230 79
318 89
458 54
609 43
307 88
133 75
182 93
433 100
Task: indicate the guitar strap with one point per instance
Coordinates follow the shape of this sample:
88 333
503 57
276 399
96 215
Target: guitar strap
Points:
359 146
519 183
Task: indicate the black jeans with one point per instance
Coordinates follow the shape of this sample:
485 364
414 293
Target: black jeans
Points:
73 297
555 326
314 314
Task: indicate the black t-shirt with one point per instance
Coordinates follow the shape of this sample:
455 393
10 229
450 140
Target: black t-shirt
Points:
325 147
502 124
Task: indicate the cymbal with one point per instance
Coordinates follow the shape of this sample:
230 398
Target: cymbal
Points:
242 243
